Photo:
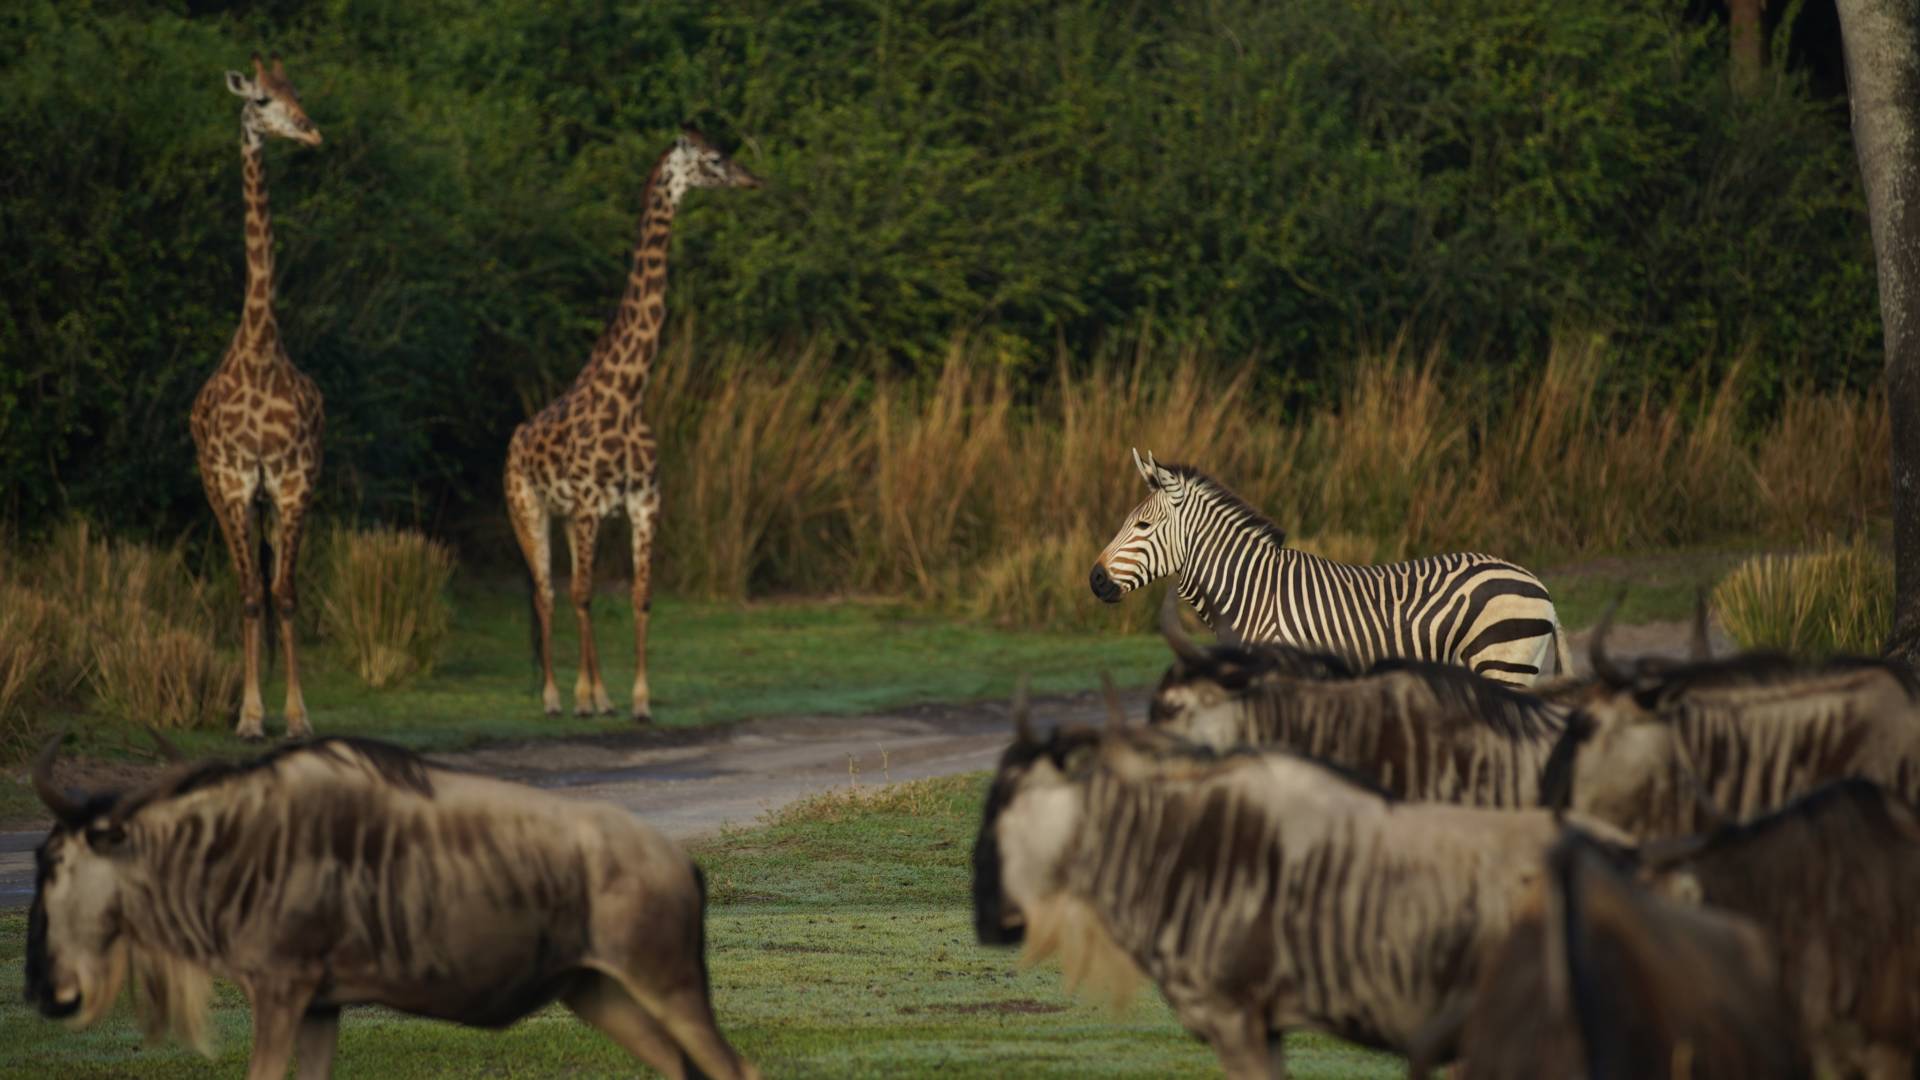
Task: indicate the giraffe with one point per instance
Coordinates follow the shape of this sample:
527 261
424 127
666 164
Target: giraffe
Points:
589 454
257 421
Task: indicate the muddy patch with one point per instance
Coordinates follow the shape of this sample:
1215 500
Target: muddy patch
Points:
1016 1006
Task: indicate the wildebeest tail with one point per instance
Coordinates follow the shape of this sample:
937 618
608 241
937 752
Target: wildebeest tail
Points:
700 944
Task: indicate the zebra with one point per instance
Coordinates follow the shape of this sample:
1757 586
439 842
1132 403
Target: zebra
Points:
1234 568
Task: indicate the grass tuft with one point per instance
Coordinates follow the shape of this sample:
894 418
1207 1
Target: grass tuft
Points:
384 604
1836 599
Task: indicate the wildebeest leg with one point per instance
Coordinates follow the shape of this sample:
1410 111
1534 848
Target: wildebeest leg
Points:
313 1050
600 1001
276 1017
688 1015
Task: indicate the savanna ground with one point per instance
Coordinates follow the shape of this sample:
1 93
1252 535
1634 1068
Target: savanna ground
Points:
840 927
715 663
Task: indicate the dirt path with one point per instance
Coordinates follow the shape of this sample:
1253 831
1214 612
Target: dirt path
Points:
694 783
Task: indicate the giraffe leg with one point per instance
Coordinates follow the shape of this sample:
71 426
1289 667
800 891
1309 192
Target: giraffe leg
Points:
291 517
530 528
236 525
643 510
589 693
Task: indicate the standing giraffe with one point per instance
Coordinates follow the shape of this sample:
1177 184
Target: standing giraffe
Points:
589 454
257 421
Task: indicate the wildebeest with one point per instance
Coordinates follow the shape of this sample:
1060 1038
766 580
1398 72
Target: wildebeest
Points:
1603 980
1833 879
346 871
1670 751
1421 730
1262 891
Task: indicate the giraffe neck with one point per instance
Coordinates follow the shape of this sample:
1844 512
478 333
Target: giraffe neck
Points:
259 334
624 356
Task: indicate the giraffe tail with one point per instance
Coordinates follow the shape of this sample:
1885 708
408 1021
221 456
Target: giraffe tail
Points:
266 585
533 621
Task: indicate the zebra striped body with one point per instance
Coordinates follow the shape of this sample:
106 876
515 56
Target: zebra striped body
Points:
1262 891
1234 568
1666 753
1421 731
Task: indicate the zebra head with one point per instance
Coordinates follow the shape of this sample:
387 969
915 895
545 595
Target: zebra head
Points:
1150 544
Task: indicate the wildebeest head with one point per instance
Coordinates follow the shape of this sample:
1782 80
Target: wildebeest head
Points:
1203 690
76 954
1032 812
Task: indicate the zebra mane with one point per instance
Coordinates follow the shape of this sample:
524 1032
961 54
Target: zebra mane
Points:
390 764
1241 512
1512 713
1756 670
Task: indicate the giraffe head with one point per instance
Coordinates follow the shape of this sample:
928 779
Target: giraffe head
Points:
693 162
273 106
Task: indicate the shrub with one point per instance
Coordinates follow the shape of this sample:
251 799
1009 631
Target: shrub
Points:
384 602
1837 599
154 673
126 623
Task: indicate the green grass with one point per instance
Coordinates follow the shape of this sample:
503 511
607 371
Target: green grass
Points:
841 944
709 663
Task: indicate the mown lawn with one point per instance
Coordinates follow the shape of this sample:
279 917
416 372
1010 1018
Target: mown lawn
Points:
841 945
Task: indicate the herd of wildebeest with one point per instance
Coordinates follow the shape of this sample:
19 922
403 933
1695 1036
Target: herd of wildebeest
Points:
1692 869
1700 868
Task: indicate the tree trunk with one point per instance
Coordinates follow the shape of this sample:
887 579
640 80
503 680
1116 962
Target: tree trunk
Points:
1749 43
1882 41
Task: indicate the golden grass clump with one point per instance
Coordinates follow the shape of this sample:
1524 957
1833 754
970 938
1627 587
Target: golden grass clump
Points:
1835 599
127 622
957 490
384 601
911 798
157 674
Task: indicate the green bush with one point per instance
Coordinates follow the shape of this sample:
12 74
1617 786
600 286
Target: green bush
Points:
1289 182
1837 599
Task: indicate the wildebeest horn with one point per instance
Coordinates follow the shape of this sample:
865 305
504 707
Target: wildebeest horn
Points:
58 801
1022 726
1116 715
165 746
1183 646
1603 666
1702 647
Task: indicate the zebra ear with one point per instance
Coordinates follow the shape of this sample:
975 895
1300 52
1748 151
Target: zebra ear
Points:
1146 470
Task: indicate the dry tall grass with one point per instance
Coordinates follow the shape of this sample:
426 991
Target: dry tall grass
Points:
384 602
1835 599
778 477
124 626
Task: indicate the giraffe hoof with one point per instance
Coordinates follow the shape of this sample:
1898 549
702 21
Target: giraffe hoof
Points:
643 717
252 736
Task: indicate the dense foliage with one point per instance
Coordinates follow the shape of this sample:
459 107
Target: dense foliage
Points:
1287 181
